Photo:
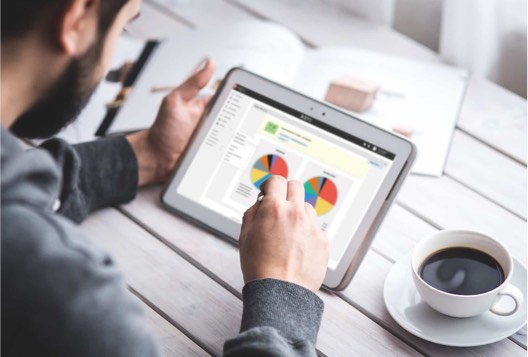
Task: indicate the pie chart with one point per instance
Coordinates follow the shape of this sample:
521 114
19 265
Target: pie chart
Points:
321 193
266 166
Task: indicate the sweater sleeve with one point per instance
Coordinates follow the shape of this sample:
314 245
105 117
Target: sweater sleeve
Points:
95 175
279 319
61 295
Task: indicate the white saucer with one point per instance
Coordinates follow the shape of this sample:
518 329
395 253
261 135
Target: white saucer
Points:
409 310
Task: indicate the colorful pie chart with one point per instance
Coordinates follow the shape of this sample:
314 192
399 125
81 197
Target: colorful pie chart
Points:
321 193
266 166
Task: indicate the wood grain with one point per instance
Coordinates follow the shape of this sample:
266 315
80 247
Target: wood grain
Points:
495 116
449 204
193 302
398 234
483 169
344 327
172 341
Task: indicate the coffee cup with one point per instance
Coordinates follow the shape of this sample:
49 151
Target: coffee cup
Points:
462 273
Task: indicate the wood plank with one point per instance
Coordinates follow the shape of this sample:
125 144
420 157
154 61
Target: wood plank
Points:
344 330
366 290
337 27
399 232
488 172
495 116
172 341
194 302
448 204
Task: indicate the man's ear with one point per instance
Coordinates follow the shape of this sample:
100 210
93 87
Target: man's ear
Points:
78 26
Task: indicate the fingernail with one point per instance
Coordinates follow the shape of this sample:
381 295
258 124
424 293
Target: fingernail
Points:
201 65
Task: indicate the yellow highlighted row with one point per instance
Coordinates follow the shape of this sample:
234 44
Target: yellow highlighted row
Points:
312 146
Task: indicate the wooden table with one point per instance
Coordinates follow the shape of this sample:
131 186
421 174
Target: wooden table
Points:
190 281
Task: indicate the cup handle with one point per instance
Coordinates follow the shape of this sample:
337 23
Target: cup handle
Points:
512 292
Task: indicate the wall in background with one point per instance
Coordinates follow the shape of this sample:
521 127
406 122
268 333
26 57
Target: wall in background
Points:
489 37
486 36
378 11
421 20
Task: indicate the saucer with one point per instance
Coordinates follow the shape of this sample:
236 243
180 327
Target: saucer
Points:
408 309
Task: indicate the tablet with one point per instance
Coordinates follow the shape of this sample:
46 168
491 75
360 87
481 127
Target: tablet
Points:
255 128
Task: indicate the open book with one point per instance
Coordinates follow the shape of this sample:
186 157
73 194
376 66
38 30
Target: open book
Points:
424 98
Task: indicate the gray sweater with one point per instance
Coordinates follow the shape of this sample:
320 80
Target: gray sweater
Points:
63 296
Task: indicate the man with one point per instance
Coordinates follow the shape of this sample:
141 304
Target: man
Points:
61 295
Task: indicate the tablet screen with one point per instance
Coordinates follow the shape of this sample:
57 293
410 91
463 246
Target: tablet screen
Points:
254 137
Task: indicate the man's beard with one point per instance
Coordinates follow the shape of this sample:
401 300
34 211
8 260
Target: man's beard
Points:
65 100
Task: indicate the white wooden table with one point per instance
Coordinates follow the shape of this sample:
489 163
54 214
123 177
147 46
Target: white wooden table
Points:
190 281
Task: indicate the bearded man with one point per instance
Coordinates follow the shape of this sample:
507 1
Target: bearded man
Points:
63 296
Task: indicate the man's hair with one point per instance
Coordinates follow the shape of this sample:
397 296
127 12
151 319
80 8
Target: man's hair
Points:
20 17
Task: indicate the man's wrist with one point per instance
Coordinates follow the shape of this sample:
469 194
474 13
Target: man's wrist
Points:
149 168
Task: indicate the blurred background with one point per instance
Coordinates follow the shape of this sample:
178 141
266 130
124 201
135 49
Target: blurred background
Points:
486 36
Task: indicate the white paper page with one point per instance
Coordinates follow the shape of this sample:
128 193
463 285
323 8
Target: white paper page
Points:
84 127
424 98
264 48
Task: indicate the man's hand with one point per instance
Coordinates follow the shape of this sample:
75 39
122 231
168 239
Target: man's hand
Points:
280 238
159 148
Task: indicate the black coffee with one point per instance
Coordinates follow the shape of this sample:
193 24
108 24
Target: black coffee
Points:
462 271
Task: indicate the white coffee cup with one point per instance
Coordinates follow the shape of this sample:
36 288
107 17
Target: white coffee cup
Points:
465 305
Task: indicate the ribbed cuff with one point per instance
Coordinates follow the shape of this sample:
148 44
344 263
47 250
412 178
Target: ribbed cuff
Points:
293 310
109 171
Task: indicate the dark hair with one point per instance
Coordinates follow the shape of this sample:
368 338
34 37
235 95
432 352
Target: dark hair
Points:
20 17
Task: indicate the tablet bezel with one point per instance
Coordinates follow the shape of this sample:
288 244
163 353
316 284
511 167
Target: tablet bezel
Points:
404 150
